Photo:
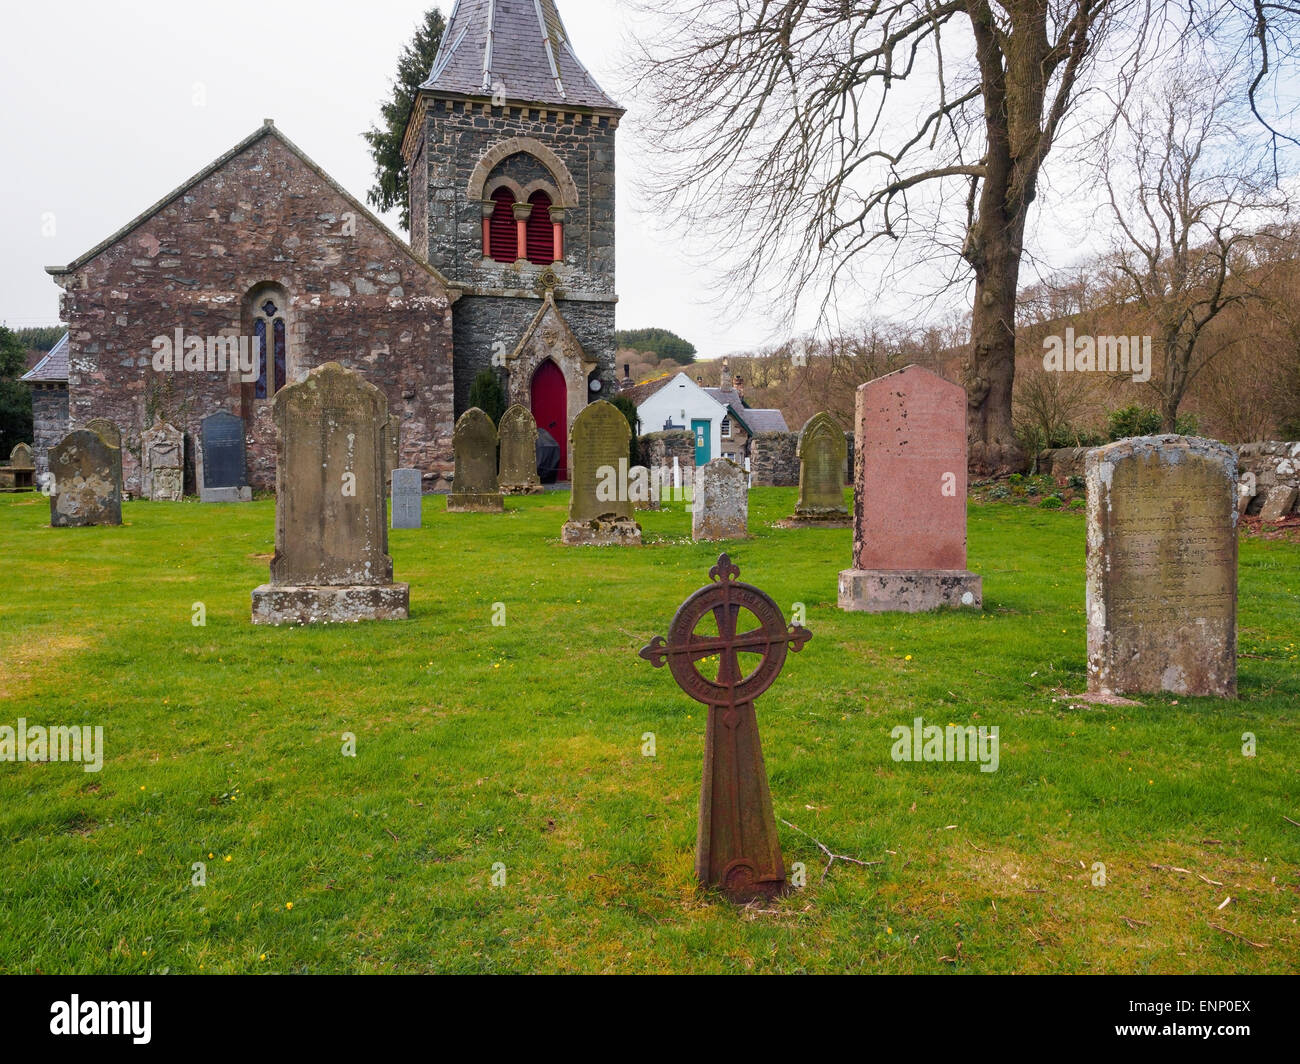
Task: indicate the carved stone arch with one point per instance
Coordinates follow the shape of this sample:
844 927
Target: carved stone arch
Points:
501 181
540 185
567 188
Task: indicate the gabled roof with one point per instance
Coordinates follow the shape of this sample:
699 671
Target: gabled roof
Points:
568 339
764 421
643 390
267 129
53 368
520 44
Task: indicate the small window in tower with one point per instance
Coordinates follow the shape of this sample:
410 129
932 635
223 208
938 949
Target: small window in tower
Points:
541 231
503 233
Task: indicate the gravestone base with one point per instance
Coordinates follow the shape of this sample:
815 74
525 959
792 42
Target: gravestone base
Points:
225 494
521 489
834 518
909 590
477 503
281 604
602 532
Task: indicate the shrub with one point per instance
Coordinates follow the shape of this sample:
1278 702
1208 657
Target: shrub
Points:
1078 504
1052 502
1078 483
1031 489
1016 478
1000 492
487 394
1136 420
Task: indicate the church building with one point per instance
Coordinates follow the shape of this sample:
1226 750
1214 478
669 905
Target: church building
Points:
262 267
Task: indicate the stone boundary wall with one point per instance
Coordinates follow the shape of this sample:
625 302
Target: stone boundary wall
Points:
773 460
658 449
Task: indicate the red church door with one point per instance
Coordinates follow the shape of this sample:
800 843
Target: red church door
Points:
551 408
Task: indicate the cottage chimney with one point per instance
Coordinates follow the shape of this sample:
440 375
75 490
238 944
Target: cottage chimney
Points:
725 384
740 387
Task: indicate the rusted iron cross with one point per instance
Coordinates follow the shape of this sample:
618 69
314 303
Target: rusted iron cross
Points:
737 847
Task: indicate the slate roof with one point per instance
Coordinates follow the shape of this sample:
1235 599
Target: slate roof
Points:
764 420
53 368
639 393
521 44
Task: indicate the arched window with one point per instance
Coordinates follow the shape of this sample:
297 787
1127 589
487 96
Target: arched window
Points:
270 344
541 232
503 234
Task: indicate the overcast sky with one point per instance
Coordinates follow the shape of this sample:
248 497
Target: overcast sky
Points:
107 106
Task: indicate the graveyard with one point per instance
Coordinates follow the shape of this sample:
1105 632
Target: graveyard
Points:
524 790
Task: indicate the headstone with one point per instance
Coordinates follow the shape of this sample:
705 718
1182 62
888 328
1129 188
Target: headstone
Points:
600 506
1162 567
22 468
518 434
112 435
224 476
822 456
475 491
164 464
86 487
737 849
721 508
1278 503
909 506
408 498
331 560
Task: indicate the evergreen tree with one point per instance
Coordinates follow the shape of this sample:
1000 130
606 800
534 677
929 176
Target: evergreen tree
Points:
391 187
487 394
15 398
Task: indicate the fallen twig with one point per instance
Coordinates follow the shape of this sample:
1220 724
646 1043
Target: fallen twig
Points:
1290 821
1212 882
833 857
1172 868
1134 924
1257 945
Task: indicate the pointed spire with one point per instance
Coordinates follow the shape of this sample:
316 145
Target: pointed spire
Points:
518 49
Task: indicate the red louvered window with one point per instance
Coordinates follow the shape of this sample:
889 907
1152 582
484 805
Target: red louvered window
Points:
502 231
541 233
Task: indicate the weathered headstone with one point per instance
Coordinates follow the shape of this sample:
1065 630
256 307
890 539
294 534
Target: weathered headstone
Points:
331 560
721 509
600 507
408 498
737 848
112 435
21 468
822 453
224 473
164 463
1162 567
909 507
87 486
518 435
1278 503
474 490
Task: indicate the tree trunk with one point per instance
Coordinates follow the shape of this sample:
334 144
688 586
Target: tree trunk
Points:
994 249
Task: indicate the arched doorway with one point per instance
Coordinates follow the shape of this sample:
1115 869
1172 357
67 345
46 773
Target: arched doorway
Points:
550 397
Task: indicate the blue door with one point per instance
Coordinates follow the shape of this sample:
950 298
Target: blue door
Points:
703 430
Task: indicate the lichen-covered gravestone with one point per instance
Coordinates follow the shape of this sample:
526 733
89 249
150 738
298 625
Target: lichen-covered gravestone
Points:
408 498
112 435
1162 567
909 506
164 463
600 506
475 491
822 453
223 473
721 509
518 436
331 560
86 488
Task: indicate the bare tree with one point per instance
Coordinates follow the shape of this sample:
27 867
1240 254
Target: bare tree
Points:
1192 196
806 132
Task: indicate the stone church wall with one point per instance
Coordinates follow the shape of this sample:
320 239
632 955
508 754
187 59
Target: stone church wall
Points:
356 296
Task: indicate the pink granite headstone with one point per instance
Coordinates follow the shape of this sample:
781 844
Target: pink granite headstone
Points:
909 507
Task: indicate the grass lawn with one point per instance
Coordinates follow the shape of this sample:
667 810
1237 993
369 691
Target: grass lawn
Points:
479 746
